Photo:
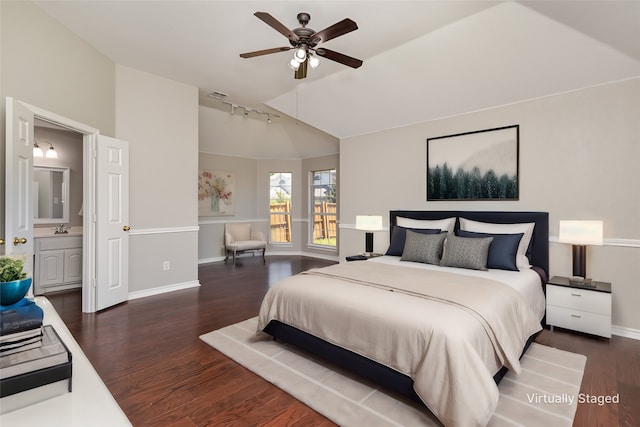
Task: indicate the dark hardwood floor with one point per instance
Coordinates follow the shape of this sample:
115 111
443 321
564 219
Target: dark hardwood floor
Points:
148 353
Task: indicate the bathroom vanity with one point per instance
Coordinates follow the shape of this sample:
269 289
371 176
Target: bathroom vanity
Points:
58 260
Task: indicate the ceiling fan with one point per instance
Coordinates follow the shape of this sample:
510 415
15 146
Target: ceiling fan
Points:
305 41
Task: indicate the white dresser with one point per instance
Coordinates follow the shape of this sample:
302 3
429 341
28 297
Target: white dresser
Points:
579 308
89 404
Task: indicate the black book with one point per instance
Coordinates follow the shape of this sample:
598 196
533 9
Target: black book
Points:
51 352
22 316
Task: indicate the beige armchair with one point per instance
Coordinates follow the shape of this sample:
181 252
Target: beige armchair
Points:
241 238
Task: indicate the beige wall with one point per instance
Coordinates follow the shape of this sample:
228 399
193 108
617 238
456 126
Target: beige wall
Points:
159 119
48 66
251 202
245 198
579 154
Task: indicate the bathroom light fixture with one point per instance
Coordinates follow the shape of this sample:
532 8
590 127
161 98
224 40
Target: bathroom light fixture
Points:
37 151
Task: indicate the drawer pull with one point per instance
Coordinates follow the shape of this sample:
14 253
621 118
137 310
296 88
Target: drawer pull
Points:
576 316
576 295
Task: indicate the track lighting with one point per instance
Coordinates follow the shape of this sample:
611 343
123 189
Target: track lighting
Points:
247 110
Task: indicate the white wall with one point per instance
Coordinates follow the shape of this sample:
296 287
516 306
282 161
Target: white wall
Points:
579 154
159 119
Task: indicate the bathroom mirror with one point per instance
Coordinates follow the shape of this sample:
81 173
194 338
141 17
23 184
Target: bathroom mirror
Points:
50 195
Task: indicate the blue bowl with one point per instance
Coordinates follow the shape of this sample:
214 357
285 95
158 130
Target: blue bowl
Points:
12 292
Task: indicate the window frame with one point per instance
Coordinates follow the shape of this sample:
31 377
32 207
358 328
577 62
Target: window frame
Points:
311 227
288 214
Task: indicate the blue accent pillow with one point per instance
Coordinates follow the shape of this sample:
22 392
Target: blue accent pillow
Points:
399 235
503 249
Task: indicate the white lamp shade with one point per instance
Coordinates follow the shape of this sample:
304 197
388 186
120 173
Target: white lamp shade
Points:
368 222
37 152
580 232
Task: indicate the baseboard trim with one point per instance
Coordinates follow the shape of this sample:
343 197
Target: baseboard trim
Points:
208 260
163 289
285 253
625 332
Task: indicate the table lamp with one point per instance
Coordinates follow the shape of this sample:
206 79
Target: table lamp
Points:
368 223
580 234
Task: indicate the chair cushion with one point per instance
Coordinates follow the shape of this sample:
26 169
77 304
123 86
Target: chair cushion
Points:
247 245
240 231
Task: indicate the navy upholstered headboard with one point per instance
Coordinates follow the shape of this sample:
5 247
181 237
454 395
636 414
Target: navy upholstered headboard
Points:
539 256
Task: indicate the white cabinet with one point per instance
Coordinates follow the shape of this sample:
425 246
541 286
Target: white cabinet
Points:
579 308
58 263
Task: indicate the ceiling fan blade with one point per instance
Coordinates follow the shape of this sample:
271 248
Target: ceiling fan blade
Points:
277 25
264 52
343 27
339 57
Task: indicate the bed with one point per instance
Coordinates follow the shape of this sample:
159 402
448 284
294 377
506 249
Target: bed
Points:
442 336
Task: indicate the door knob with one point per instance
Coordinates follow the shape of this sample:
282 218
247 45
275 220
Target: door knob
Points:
17 241
126 228
1 242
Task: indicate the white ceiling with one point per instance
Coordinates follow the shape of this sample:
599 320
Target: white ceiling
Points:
423 60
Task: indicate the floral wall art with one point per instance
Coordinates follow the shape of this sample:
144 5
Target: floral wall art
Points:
215 193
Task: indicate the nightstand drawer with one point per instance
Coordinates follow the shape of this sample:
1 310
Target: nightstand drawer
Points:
579 299
597 324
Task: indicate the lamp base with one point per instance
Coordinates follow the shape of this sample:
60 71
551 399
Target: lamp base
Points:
579 260
581 281
368 243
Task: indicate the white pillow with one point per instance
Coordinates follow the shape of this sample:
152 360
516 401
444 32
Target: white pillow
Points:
522 262
446 224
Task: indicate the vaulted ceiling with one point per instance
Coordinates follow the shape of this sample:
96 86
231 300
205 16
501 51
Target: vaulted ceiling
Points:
423 60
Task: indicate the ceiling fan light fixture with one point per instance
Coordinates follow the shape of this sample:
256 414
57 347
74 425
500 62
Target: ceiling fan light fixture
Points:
313 62
294 64
300 53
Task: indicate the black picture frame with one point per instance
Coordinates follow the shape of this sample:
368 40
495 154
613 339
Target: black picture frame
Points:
478 165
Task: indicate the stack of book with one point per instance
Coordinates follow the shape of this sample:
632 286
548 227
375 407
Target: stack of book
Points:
20 327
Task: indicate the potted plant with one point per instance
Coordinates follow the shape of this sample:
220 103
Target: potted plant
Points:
14 282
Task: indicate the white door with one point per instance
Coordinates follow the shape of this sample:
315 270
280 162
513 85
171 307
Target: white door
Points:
112 222
18 226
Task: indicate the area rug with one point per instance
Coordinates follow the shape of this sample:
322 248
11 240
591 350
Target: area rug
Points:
544 394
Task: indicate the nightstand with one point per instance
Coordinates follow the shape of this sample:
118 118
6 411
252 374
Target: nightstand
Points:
579 307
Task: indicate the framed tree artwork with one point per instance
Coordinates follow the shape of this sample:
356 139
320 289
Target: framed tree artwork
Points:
479 165
215 193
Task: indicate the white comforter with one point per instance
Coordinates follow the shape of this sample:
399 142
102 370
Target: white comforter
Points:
448 332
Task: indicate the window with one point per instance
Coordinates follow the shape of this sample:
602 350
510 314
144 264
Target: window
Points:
324 207
280 207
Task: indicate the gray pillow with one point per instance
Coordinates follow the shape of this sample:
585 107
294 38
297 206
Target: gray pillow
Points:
466 252
425 248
